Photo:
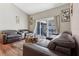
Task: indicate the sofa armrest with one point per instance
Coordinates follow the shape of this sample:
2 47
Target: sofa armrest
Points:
36 50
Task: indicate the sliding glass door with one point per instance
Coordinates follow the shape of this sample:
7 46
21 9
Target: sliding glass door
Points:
43 29
46 27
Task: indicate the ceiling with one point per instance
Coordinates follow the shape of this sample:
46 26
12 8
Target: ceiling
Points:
31 8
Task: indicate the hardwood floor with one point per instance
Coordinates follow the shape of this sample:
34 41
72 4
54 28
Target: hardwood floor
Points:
9 50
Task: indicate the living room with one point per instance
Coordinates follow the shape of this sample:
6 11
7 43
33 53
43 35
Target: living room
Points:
29 30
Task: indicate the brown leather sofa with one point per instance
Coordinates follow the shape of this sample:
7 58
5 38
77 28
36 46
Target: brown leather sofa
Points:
42 49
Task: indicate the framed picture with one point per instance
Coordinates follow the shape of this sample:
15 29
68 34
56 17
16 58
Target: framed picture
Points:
31 21
65 15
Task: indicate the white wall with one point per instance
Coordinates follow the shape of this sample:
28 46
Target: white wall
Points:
51 12
8 13
64 26
75 19
75 23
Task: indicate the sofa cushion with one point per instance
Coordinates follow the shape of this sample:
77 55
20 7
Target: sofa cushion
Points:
13 36
43 42
64 40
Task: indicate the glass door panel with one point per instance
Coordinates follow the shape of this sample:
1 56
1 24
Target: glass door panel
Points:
43 29
38 28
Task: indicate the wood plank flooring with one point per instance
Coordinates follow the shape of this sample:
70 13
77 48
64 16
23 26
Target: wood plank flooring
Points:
8 50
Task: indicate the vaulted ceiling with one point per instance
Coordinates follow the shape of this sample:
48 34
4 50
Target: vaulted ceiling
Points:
31 8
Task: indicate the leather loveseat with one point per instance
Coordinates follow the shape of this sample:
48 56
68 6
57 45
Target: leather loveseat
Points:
10 36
